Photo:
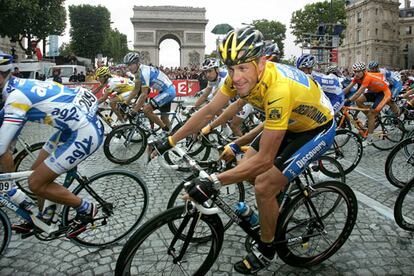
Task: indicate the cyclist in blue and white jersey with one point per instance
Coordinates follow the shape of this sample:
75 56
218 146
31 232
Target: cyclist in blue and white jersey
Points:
394 82
330 84
72 113
147 78
215 77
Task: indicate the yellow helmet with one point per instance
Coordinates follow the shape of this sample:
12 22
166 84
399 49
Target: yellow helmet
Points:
102 71
241 46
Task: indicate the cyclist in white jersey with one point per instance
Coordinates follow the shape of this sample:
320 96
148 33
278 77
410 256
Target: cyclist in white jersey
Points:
116 88
72 113
330 84
146 78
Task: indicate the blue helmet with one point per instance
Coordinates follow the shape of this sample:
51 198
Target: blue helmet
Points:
271 50
373 65
5 62
306 61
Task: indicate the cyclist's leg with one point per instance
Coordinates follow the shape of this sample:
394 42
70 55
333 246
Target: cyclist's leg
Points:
75 148
163 99
113 100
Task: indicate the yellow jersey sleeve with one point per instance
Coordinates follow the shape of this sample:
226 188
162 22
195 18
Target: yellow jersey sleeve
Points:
228 89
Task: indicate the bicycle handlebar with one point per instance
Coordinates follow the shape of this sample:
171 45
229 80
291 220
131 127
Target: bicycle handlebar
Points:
15 175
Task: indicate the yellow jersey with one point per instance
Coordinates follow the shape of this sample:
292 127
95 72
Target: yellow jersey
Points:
289 98
119 85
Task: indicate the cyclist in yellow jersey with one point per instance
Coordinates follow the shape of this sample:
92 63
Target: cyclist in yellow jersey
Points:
116 88
298 128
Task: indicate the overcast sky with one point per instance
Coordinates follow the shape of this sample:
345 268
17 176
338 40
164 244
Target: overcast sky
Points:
233 12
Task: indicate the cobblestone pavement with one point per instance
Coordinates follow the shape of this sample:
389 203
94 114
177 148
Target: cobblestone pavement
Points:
376 246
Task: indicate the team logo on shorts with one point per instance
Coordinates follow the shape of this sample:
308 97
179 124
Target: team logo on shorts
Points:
275 113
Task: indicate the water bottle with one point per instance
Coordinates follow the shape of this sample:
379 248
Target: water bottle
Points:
21 199
247 213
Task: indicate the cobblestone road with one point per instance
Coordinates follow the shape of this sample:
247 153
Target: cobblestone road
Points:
376 247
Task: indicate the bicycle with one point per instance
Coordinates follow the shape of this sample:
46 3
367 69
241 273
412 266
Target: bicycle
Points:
404 207
108 189
304 222
126 143
391 129
399 165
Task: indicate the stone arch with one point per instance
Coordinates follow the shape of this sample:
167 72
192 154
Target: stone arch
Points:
186 25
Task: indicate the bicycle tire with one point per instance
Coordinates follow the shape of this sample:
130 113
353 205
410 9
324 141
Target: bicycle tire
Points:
146 243
329 167
347 149
118 221
5 231
404 207
294 213
400 163
23 161
394 130
240 197
122 140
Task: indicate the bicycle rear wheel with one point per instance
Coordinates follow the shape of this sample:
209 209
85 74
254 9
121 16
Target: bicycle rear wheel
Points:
399 166
404 207
389 132
125 144
5 231
308 232
23 161
125 197
153 247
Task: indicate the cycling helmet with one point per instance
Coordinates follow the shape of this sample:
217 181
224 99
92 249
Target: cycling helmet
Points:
210 63
131 57
306 61
271 49
358 66
373 65
241 46
333 69
103 71
5 62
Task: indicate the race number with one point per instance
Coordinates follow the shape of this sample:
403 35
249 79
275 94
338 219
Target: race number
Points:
6 185
228 190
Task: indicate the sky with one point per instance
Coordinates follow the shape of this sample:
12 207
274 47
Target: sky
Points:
233 12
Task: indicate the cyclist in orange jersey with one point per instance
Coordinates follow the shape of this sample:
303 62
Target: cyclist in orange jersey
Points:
378 92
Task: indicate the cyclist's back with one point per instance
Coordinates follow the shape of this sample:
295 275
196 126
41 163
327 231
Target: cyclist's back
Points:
331 86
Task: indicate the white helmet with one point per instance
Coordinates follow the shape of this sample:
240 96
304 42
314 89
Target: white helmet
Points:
210 63
358 66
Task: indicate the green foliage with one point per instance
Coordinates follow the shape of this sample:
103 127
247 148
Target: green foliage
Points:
31 19
66 49
116 46
306 20
90 27
290 61
272 30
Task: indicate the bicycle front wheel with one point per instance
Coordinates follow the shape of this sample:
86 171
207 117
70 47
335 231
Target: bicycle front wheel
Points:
308 232
125 144
155 250
404 207
399 166
5 231
124 201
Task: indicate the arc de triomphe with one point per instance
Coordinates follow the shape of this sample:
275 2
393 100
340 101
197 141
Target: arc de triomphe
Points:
186 25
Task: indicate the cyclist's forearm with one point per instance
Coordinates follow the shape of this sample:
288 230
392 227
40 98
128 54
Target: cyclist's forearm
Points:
140 102
357 94
249 137
201 100
133 94
228 113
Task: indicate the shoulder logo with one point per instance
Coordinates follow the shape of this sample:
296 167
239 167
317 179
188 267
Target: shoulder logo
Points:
275 113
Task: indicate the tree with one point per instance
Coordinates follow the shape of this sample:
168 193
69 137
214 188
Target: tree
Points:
272 30
31 19
90 27
307 20
116 46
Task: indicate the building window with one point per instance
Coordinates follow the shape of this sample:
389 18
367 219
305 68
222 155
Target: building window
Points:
359 36
408 30
376 32
376 11
359 17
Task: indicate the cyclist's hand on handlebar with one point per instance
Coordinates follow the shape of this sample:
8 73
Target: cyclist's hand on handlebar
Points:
206 130
230 151
201 189
159 147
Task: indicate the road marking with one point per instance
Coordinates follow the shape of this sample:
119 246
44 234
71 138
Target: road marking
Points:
380 208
